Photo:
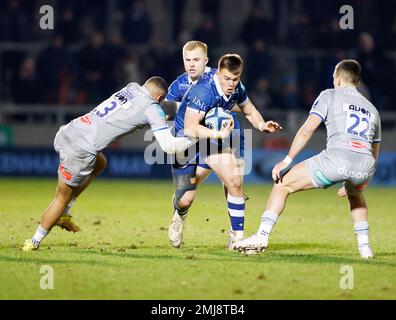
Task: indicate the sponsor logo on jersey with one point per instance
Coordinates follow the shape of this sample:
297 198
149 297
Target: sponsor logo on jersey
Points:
352 108
198 102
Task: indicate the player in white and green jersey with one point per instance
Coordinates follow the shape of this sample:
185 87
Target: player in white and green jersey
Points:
80 144
353 140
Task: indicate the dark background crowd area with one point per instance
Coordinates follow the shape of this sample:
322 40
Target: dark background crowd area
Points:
96 47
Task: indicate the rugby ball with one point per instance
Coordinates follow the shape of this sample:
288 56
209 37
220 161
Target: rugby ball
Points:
217 118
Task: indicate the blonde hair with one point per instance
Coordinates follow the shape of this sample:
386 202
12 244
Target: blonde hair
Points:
191 45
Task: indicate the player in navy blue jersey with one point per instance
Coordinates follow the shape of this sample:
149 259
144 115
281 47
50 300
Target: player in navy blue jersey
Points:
223 90
195 59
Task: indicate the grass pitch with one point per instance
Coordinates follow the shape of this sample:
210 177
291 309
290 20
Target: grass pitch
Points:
123 250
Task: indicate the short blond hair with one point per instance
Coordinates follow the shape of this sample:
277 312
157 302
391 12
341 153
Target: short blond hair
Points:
191 45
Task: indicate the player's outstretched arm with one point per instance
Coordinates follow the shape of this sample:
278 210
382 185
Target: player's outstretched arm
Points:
171 144
257 120
301 139
194 129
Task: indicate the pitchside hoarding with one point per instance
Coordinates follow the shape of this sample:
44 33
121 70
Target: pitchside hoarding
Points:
132 165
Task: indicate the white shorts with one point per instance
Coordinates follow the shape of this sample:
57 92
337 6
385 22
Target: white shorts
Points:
334 166
75 163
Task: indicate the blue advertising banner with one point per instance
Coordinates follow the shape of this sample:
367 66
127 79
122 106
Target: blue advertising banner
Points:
44 163
122 164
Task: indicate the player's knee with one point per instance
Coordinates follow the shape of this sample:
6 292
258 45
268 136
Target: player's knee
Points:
186 200
234 184
64 194
284 187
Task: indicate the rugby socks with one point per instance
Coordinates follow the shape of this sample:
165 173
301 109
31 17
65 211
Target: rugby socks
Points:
69 206
40 234
268 220
236 209
181 212
362 233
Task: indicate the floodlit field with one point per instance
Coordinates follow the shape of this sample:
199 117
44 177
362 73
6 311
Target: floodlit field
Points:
123 250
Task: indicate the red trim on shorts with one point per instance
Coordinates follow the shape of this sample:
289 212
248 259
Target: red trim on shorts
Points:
361 187
66 174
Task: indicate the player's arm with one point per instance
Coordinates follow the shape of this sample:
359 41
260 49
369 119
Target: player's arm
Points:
256 119
301 139
156 119
171 144
194 129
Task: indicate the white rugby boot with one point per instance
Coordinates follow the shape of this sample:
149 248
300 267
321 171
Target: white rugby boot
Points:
175 231
235 238
366 252
253 244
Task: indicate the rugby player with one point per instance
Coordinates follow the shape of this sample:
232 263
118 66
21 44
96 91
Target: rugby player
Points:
195 60
353 141
224 90
80 144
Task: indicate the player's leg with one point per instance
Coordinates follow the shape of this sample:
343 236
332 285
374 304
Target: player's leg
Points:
76 166
359 215
63 195
297 179
233 239
226 167
185 181
100 165
66 221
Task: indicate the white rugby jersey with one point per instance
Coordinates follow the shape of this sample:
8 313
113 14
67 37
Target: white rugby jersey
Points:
124 112
352 122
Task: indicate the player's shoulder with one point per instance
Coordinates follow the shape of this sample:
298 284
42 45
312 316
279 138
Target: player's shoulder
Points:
324 96
202 89
183 78
241 87
180 82
328 92
156 109
210 71
201 95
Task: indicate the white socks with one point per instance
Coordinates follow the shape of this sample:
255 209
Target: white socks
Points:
268 220
362 233
40 234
